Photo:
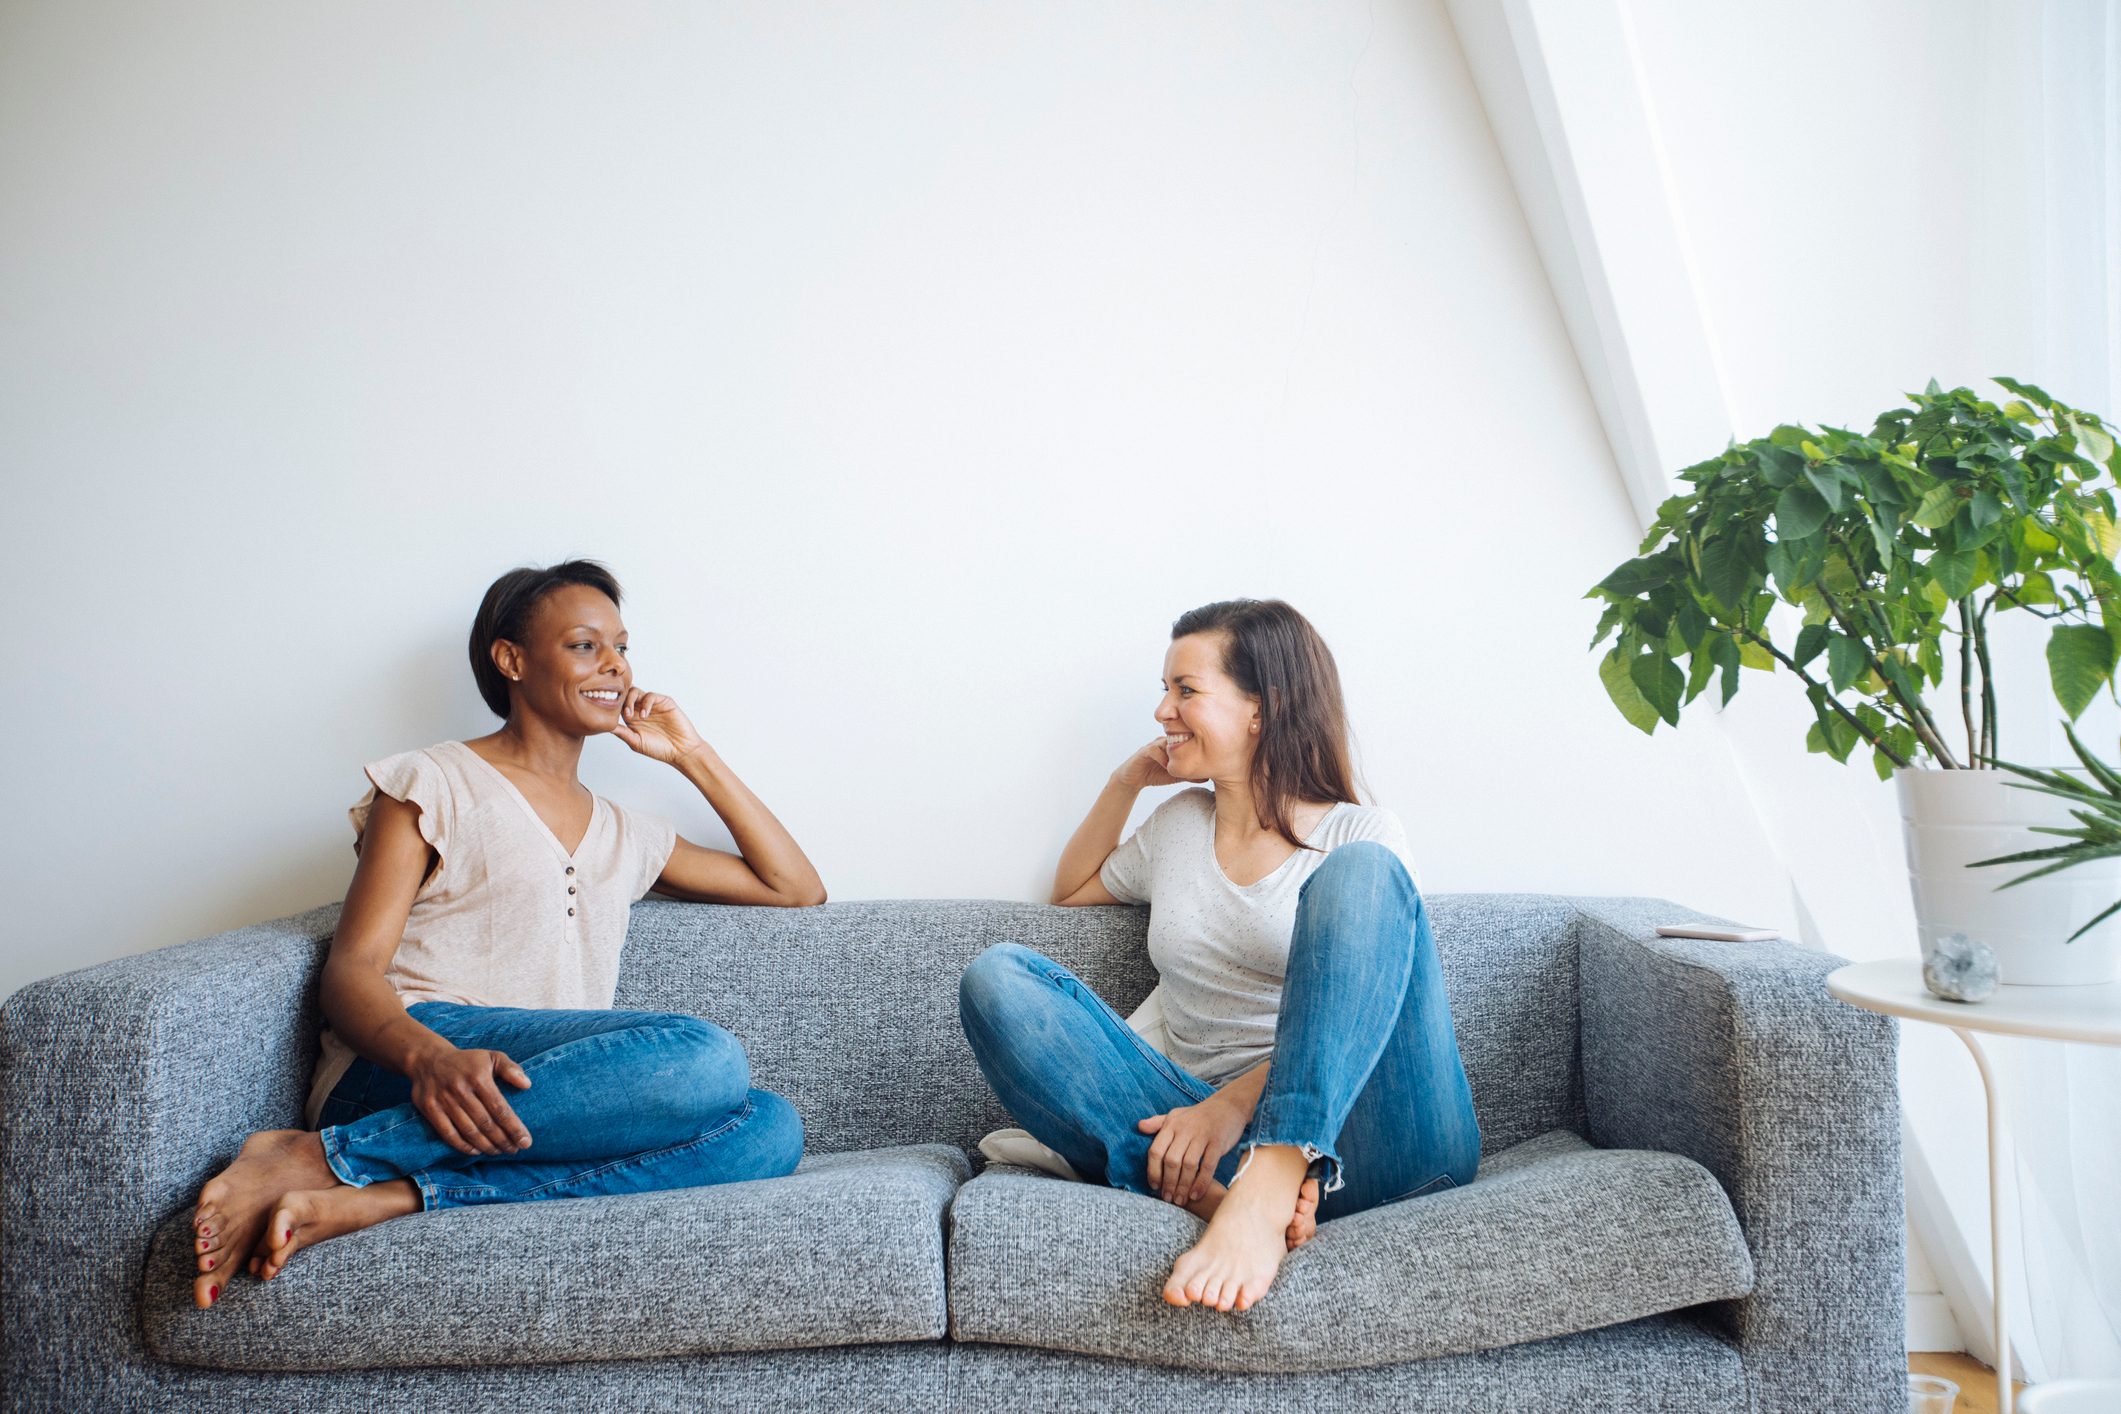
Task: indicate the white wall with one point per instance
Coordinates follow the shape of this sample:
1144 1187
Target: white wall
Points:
914 365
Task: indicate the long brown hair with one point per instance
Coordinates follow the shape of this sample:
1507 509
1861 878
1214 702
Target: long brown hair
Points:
1274 656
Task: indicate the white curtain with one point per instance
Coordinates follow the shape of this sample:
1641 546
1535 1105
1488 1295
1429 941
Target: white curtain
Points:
2066 1098
2065 1108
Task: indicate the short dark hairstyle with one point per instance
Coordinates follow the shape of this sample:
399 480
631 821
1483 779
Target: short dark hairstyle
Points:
1274 655
505 613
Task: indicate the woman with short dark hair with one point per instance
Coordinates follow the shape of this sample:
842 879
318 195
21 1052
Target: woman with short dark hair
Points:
479 947
1296 1061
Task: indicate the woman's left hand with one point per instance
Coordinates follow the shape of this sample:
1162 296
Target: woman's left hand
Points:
655 726
1190 1141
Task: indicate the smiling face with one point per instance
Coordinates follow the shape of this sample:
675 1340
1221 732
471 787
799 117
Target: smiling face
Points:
1211 726
570 667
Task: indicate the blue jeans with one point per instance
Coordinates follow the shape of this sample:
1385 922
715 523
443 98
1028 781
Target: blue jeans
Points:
619 1102
1366 1075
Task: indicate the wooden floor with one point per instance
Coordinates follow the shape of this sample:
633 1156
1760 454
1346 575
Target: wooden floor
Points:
1976 1381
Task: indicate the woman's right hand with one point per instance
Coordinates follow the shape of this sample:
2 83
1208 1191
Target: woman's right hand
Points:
454 1091
1150 766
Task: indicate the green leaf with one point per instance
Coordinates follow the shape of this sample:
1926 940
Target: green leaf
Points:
1811 642
2032 394
2080 659
1729 659
1754 655
2038 588
1692 624
2100 527
1636 577
1726 571
1701 663
1778 468
2013 473
1831 734
2100 917
1954 570
1826 480
2104 774
1660 682
1839 578
1846 661
1620 686
1987 509
2091 440
1799 512
1939 505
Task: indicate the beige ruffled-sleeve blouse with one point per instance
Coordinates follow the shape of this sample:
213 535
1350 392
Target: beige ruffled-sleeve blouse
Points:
508 917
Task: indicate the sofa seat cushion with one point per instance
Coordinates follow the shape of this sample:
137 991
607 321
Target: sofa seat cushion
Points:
1553 1237
845 1251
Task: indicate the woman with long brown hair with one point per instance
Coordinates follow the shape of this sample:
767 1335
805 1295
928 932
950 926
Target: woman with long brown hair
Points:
1296 1061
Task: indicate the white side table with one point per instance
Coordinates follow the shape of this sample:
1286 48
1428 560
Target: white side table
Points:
2092 1014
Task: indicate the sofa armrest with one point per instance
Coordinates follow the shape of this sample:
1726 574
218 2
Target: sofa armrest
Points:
123 1087
1734 1055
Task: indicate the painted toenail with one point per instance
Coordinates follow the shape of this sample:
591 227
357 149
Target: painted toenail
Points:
209 1264
212 1292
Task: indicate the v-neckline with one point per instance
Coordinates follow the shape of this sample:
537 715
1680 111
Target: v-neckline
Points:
596 804
1224 874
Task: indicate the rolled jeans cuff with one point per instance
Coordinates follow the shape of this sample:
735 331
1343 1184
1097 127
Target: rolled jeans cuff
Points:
1321 1164
342 1168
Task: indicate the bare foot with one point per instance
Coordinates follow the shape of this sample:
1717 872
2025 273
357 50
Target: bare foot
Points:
233 1204
303 1219
1236 1259
1302 1228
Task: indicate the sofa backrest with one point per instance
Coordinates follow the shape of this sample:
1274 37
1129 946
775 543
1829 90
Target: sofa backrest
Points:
850 1009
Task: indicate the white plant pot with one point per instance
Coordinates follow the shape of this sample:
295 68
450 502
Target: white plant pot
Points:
1951 819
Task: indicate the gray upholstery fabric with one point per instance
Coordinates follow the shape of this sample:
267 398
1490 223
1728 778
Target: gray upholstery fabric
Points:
853 1379
123 1087
1658 1365
846 1251
1735 1055
1554 1236
850 1010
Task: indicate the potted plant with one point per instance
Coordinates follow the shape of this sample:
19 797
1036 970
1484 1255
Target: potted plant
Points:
2096 802
1868 567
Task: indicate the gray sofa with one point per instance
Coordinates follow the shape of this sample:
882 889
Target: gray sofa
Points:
1690 1198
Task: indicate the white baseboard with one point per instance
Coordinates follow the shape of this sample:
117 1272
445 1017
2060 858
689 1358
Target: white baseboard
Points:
1930 1325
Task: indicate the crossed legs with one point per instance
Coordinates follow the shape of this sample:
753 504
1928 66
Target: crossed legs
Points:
1366 1092
620 1102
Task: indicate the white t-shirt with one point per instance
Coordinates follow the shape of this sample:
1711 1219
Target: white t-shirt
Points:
1221 950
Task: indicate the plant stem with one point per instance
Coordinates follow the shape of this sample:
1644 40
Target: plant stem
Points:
1917 711
1924 725
2033 609
1988 683
1966 679
1809 681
